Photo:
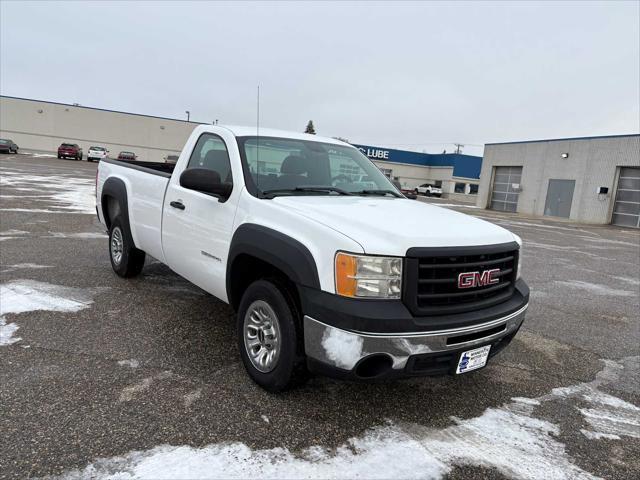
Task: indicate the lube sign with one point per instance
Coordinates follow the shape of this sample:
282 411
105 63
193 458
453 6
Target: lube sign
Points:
375 153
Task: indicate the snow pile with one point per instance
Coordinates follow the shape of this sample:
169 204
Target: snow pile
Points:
509 438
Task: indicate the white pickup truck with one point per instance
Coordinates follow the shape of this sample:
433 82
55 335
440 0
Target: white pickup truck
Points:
326 273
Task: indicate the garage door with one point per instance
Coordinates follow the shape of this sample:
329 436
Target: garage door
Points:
626 210
503 195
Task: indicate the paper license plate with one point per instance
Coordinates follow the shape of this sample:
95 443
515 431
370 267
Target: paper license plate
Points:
473 359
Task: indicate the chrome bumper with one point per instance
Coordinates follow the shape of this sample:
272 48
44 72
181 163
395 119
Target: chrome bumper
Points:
344 349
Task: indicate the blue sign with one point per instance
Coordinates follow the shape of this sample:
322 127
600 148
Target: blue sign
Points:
465 166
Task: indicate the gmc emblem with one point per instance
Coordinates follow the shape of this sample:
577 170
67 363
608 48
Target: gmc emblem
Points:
477 279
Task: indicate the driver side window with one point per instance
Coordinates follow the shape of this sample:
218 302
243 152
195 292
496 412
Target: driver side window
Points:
211 153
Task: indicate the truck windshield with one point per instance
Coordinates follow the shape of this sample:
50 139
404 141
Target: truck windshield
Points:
285 166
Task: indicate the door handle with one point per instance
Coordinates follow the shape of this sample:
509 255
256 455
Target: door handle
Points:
179 205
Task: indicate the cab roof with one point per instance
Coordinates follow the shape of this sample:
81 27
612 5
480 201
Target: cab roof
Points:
242 131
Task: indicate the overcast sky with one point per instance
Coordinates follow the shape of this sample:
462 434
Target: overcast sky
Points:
414 75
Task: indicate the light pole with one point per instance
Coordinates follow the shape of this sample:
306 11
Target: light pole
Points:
188 114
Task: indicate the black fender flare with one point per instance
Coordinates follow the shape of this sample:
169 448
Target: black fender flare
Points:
114 187
275 248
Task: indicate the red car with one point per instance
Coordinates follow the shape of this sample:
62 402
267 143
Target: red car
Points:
70 150
126 156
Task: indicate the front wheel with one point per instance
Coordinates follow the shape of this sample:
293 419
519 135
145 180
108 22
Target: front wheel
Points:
270 336
126 259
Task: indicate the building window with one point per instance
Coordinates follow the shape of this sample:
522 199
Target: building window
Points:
438 183
386 171
473 188
459 188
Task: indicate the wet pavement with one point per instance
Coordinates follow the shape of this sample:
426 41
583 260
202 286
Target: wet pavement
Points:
94 367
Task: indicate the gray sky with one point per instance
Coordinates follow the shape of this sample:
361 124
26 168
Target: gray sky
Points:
415 75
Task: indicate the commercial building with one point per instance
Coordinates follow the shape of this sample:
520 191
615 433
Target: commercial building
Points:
40 125
588 179
458 175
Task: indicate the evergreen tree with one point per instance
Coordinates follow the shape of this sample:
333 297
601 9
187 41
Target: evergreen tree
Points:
310 128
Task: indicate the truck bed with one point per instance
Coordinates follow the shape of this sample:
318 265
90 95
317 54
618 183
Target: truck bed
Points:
156 168
146 186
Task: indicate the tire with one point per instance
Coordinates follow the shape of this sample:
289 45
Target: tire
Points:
272 298
126 260
59 156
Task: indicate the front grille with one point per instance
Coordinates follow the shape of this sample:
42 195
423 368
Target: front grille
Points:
431 281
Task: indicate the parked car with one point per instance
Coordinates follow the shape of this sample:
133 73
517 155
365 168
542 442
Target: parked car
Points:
354 282
96 153
407 193
8 146
429 190
70 150
127 156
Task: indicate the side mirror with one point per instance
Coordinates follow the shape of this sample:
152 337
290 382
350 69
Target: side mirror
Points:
206 181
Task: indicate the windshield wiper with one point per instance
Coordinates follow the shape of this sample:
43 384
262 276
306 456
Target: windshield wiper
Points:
292 191
379 192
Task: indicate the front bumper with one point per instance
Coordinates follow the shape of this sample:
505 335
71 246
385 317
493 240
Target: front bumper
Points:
363 355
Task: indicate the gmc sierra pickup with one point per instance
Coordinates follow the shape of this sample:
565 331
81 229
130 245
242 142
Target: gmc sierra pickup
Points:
327 273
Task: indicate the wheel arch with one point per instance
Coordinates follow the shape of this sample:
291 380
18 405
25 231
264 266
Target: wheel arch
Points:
259 252
114 201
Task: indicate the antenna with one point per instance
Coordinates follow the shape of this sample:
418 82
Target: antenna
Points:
459 147
258 140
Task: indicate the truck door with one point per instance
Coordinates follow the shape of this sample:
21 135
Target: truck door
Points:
197 227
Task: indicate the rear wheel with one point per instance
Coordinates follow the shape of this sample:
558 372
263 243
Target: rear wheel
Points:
270 336
126 259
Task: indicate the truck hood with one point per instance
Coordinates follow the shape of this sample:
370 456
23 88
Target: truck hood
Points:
390 226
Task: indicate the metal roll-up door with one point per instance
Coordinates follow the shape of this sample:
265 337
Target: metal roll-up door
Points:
506 188
626 209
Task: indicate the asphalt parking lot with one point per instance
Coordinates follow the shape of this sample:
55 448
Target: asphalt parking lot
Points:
102 376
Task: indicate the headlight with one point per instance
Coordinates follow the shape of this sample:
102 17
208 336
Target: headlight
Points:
519 242
367 276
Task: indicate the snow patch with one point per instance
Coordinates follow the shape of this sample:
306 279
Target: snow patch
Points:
508 438
191 397
67 193
85 235
342 347
131 392
19 296
37 210
13 232
22 266
133 363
